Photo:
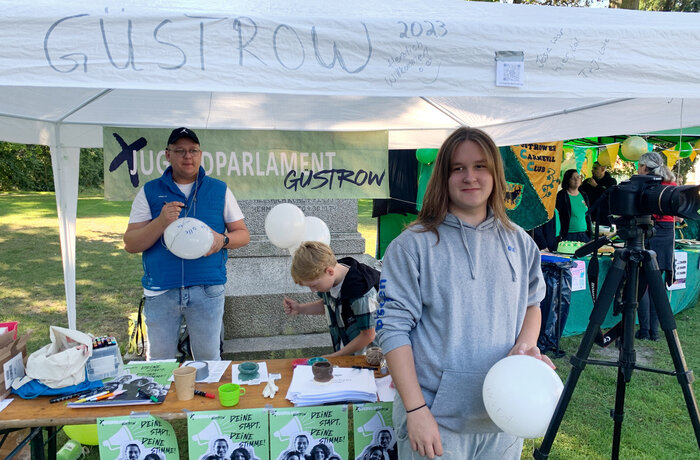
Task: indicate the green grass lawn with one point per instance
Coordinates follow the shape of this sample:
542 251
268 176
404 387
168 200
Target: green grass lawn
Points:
656 424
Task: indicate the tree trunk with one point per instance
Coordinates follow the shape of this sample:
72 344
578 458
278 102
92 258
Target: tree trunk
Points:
625 4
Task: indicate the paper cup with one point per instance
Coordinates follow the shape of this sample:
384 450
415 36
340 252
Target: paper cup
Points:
230 393
184 382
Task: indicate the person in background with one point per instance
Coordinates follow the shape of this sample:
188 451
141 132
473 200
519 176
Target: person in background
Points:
176 288
546 235
460 290
662 243
572 205
347 291
594 187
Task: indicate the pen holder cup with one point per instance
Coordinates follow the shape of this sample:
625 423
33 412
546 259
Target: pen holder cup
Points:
248 371
230 393
184 382
322 370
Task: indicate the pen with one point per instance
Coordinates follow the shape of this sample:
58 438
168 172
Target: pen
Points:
184 206
147 396
108 395
70 396
91 398
365 367
204 393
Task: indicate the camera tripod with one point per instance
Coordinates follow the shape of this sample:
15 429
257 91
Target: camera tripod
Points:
625 274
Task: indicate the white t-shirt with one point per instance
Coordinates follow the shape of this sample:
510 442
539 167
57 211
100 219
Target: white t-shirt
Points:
141 212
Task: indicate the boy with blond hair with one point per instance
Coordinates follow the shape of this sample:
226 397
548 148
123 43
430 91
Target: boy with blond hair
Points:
347 291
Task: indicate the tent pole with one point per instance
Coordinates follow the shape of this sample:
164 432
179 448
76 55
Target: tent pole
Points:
66 162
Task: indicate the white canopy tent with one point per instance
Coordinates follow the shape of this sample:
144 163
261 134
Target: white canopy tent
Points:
417 70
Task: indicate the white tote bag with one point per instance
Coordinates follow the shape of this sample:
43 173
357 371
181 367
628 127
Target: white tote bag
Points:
62 362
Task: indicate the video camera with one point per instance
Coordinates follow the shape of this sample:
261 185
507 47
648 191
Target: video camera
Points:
644 195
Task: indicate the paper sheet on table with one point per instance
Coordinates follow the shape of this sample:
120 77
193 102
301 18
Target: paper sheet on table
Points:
216 370
385 391
262 370
4 403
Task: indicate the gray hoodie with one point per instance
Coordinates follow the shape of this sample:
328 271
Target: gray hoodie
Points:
460 304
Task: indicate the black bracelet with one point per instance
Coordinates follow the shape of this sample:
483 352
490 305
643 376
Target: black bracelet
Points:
419 407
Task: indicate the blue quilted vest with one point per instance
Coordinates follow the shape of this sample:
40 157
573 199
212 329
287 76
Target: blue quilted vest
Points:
164 270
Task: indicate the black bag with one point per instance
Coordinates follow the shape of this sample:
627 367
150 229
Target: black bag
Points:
183 344
138 338
555 306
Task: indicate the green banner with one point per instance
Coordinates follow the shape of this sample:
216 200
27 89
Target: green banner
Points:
374 430
143 437
523 203
229 434
314 432
257 164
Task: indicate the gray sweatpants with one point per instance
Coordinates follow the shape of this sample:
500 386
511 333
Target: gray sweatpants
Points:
458 446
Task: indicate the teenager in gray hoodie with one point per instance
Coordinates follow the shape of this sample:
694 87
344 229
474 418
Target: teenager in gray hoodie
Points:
459 291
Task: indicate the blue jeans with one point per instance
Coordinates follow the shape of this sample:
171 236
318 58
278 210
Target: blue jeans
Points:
203 310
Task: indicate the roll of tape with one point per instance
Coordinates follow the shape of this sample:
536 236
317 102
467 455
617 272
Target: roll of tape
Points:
202 369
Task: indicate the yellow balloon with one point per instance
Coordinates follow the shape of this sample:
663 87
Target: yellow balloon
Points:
84 434
608 154
634 147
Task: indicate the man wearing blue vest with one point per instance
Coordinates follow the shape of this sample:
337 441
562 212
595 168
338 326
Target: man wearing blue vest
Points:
177 288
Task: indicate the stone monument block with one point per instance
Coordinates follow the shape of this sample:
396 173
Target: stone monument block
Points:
259 278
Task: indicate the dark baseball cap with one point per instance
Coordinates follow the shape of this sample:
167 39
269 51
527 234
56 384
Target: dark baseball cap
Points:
179 133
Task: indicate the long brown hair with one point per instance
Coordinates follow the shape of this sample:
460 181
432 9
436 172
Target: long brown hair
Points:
437 198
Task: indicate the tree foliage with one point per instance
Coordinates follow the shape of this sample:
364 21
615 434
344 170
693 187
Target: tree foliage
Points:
646 5
28 168
670 5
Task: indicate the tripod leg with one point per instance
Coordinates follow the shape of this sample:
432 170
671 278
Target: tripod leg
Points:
685 377
627 356
578 361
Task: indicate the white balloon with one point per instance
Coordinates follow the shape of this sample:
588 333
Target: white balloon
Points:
284 225
315 230
188 238
520 394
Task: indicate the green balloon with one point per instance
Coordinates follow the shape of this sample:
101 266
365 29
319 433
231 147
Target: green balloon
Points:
426 156
684 149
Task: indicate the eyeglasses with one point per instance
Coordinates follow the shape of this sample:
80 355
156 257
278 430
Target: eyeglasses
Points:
182 152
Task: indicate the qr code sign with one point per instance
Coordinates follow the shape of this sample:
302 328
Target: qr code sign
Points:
510 73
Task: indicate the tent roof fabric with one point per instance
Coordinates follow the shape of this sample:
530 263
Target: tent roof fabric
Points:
71 67
74 66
